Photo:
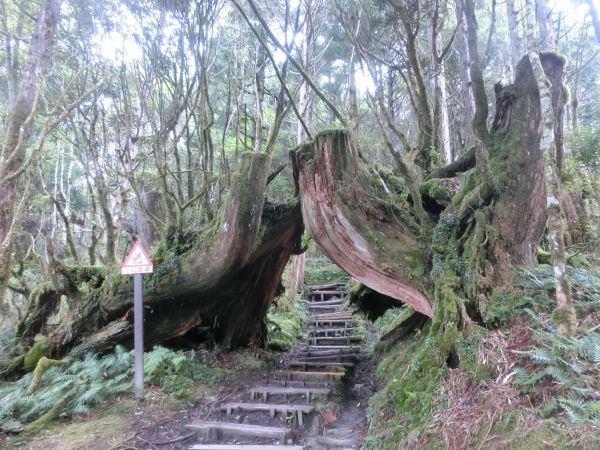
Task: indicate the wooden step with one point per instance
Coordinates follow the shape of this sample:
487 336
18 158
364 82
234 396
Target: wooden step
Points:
327 331
305 364
319 295
242 429
325 353
312 375
299 410
332 302
265 391
327 358
328 292
332 347
244 447
299 383
334 340
336 285
330 322
323 307
332 315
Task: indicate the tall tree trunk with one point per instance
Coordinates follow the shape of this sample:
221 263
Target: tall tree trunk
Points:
544 20
548 69
440 105
18 130
513 31
465 77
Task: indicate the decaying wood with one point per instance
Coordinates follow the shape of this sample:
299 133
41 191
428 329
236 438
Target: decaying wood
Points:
338 211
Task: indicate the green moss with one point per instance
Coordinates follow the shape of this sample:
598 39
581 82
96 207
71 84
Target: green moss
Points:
442 232
52 413
42 365
392 318
467 348
34 354
322 270
413 371
468 185
562 316
284 328
15 365
546 437
436 190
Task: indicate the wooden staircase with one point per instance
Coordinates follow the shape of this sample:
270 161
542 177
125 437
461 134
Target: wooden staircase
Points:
312 372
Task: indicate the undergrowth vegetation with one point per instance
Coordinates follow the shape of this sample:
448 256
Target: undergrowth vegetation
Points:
285 327
83 383
321 270
514 381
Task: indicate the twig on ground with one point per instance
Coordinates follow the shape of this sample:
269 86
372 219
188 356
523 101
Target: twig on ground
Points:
171 441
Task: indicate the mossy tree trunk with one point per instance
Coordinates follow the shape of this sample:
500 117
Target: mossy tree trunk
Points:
366 221
18 129
224 279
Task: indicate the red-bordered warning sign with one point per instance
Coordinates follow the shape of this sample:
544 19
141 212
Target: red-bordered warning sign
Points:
137 261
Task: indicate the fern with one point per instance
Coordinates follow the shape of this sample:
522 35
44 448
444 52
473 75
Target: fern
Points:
97 380
571 363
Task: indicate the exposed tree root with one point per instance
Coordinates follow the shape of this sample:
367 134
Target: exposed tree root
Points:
52 413
42 365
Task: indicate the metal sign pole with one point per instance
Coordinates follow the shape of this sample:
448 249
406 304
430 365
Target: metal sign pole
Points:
138 334
138 262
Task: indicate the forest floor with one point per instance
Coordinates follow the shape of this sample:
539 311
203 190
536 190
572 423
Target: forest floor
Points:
126 423
159 420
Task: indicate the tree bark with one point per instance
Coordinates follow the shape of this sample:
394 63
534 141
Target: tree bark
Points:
227 286
492 224
357 231
513 32
465 77
18 129
440 105
548 68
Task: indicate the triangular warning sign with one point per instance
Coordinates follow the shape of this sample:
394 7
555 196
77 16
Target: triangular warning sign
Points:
137 261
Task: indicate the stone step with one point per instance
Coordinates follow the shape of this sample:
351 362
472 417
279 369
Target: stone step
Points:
239 429
265 391
244 447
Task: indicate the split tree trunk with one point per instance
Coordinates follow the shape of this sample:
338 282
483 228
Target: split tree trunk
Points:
227 286
491 225
359 232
